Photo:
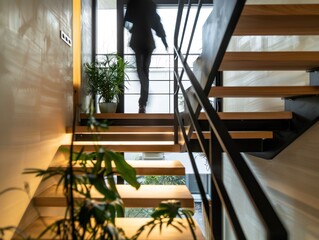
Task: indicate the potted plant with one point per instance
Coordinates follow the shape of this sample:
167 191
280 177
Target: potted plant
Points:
106 77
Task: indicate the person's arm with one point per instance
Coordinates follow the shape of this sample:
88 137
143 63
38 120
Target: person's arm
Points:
165 43
159 29
128 18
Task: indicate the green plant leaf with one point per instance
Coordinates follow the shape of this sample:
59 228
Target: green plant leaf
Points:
100 185
85 213
126 171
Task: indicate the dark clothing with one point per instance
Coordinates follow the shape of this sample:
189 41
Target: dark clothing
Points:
143 17
143 61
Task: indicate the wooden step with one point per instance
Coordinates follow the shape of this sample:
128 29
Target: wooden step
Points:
147 196
242 135
251 115
142 167
242 61
279 19
126 133
122 136
112 116
125 129
152 195
147 146
141 137
222 115
130 227
275 91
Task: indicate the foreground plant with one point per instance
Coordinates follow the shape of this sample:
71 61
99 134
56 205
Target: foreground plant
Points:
168 214
93 219
14 229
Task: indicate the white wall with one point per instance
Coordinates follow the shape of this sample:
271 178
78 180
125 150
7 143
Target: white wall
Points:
290 181
36 93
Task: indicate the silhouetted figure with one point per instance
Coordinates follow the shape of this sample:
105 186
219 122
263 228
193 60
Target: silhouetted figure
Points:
140 18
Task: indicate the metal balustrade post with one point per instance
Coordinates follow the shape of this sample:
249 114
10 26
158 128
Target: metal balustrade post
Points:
215 160
120 44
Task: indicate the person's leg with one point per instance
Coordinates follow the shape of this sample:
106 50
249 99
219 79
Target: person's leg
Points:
146 69
143 61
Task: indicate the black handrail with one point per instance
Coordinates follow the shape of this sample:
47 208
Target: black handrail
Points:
221 137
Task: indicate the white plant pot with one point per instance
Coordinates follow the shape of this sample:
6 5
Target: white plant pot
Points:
107 107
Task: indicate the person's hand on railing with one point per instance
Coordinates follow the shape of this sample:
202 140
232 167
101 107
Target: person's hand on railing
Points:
165 43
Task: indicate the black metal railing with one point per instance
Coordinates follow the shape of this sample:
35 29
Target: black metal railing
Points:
220 140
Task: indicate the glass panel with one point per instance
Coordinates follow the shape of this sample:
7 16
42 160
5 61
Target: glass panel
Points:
161 69
158 87
156 104
106 27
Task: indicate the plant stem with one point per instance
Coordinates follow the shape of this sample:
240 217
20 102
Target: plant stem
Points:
71 199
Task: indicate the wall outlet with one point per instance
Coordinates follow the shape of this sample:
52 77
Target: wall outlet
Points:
65 38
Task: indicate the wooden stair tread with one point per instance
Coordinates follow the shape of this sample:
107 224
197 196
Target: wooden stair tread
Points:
140 137
111 116
242 135
137 137
266 91
126 129
284 115
142 167
296 60
222 115
130 227
152 195
126 147
146 196
279 19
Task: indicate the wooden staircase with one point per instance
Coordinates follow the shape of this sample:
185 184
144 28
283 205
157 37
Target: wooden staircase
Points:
131 137
301 102
250 130
51 202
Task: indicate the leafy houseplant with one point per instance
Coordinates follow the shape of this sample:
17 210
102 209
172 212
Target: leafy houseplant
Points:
105 78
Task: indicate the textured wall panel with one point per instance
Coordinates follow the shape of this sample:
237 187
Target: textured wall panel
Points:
35 93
